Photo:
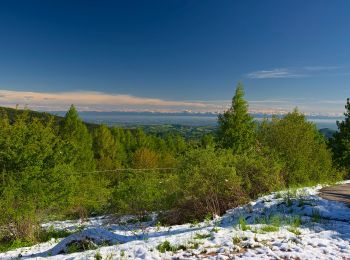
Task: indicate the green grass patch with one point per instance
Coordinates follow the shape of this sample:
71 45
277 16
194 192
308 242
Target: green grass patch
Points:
278 195
316 215
12 245
236 240
192 245
275 220
242 224
166 246
295 221
80 246
202 235
215 230
98 256
294 230
269 228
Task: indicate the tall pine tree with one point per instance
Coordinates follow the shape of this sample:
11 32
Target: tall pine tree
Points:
340 142
236 126
77 140
108 151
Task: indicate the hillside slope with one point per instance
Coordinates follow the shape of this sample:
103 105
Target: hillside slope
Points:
44 116
294 224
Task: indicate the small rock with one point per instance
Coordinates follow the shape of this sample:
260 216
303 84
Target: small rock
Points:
220 250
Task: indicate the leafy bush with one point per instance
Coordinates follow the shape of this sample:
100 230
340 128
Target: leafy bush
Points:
261 172
166 246
140 192
301 147
209 183
39 235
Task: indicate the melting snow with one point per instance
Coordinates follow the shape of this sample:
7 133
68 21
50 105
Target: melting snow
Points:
270 229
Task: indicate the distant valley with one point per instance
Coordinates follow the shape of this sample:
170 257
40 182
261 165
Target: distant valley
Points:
184 118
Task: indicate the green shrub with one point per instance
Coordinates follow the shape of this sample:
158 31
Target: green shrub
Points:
300 146
145 191
209 184
13 244
166 246
47 234
98 256
39 235
80 246
236 240
261 172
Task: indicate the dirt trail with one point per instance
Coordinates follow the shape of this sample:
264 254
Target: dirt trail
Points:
337 193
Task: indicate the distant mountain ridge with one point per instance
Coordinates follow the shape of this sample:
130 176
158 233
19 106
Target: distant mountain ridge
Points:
155 129
191 113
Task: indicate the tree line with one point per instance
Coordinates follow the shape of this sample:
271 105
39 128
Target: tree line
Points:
62 170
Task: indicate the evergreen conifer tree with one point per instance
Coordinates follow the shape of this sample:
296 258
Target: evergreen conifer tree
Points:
106 149
77 140
236 126
340 142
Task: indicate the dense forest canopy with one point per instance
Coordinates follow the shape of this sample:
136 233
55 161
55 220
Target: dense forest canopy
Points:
55 168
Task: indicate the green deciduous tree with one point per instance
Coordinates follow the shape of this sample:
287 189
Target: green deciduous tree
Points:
300 146
236 127
30 187
145 158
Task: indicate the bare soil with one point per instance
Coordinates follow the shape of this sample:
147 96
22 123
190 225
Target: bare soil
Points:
339 193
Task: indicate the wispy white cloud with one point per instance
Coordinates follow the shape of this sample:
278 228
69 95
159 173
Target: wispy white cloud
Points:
99 101
86 97
95 101
274 74
307 71
322 68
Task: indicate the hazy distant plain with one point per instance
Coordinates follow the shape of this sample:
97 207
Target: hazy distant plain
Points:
186 119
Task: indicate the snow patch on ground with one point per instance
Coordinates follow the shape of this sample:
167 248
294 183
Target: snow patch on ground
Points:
283 225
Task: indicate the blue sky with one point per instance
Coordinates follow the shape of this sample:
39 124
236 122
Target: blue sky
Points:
175 55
